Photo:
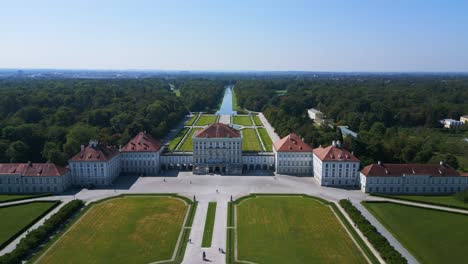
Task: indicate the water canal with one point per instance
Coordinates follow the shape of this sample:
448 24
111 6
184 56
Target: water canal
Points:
226 105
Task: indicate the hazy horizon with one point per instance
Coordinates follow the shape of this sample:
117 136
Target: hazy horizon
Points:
242 36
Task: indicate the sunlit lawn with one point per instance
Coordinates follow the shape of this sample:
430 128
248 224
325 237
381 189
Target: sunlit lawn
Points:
188 143
242 120
265 138
250 140
206 120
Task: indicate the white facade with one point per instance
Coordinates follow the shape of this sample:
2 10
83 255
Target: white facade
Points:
336 173
141 163
97 173
258 162
315 114
217 154
17 183
293 163
413 184
451 123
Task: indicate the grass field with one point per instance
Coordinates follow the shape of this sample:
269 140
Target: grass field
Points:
446 200
242 120
431 236
209 225
191 120
178 138
265 138
257 120
15 218
131 229
250 140
292 230
235 106
9 197
206 120
188 143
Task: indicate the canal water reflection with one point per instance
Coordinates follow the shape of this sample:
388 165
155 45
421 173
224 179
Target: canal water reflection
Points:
226 105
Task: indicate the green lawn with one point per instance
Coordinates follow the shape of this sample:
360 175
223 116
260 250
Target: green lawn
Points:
446 200
431 236
265 138
257 120
242 120
131 229
191 120
206 120
209 225
178 138
9 197
188 143
292 230
15 218
250 140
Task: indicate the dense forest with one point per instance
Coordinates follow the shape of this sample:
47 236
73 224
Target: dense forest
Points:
396 117
48 120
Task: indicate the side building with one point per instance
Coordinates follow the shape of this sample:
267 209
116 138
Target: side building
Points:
217 149
95 165
293 156
33 178
412 179
141 155
336 166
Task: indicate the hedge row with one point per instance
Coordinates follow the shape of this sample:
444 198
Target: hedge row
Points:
380 243
39 236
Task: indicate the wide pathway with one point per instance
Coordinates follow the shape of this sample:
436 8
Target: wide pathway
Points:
391 239
225 119
271 131
194 251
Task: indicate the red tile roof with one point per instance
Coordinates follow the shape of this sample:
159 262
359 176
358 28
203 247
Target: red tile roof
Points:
291 143
218 130
395 170
96 153
332 153
32 169
142 143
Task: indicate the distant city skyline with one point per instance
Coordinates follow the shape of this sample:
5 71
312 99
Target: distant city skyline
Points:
321 36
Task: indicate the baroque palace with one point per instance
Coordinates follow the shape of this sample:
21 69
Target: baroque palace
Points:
217 149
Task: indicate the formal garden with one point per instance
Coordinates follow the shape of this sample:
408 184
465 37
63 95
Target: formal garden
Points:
291 229
126 229
431 236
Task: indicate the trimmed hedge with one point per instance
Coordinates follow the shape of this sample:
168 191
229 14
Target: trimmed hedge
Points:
39 236
380 243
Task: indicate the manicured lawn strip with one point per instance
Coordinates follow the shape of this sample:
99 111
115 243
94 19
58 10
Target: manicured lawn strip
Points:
15 219
188 143
37 237
178 138
206 120
235 107
257 120
380 243
4 198
242 120
292 230
191 120
250 140
137 229
209 225
443 200
432 236
265 138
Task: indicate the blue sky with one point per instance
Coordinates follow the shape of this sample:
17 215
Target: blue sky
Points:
374 35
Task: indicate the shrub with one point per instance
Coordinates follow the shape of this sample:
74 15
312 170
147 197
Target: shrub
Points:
380 243
37 237
462 196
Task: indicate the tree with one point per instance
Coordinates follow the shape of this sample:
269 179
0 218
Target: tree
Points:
452 161
18 151
78 135
52 153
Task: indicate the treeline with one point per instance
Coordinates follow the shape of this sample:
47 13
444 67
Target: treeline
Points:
48 120
201 95
37 237
379 242
396 117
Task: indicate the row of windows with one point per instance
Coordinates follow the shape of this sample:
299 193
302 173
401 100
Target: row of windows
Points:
397 180
340 182
139 163
27 189
295 163
439 189
26 180
340 165
294 155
